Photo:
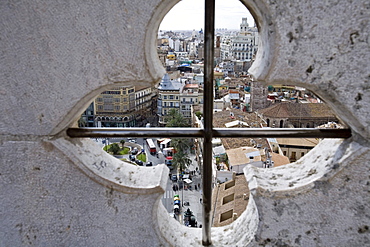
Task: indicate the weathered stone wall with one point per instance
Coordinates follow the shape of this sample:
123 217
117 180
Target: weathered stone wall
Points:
57 56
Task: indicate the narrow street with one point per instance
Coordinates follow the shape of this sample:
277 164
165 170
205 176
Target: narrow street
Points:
190 194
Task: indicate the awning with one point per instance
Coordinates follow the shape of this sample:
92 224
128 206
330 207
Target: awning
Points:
165 141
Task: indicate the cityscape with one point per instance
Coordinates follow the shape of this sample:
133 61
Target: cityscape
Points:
239 102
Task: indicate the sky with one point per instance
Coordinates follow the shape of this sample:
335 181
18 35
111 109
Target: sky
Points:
189 15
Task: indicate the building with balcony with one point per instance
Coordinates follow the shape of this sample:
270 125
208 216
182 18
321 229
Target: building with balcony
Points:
191 95
181 94
115 107
246 43
145 105
123 106
168 97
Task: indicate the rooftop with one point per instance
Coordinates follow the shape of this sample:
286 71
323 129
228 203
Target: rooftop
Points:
220 119
242 155
295 110
167 84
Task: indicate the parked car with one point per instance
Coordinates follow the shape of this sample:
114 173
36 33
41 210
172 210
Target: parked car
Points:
149 163
134 151
132 157
139 162
174 177
131 140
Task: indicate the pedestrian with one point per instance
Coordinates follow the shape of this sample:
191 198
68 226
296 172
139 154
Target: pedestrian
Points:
196 188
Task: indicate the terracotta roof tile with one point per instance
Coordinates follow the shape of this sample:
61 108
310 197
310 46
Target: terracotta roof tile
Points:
293 110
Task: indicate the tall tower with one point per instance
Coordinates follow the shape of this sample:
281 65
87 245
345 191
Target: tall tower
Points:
244 26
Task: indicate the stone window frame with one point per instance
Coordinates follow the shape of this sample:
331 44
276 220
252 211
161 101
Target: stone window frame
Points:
250 219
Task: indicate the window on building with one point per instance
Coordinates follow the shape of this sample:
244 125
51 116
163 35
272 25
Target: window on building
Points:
108 107
293 156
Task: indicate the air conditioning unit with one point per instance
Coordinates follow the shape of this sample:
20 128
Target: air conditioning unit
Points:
245 196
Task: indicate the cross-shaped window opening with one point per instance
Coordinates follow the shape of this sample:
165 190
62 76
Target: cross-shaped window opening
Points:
208 132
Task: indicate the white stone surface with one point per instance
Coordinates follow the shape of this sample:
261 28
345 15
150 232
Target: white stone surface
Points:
56 57
46 200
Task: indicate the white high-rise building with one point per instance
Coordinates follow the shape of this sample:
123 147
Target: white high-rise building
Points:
245 44
178 45
171 43
226 48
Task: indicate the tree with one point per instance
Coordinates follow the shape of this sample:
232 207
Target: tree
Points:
176 119
114 148
199 114
181 144
181 161
122 143
82 122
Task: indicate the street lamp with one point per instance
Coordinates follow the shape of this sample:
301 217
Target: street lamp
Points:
182 196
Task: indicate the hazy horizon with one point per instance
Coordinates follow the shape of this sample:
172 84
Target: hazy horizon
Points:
188 15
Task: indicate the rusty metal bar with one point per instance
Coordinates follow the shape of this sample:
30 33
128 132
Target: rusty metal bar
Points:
135 132
209 38
281 133
216 132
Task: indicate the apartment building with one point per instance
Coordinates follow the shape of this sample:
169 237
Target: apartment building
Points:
191 95
181 94
168 97
246 43
123 106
